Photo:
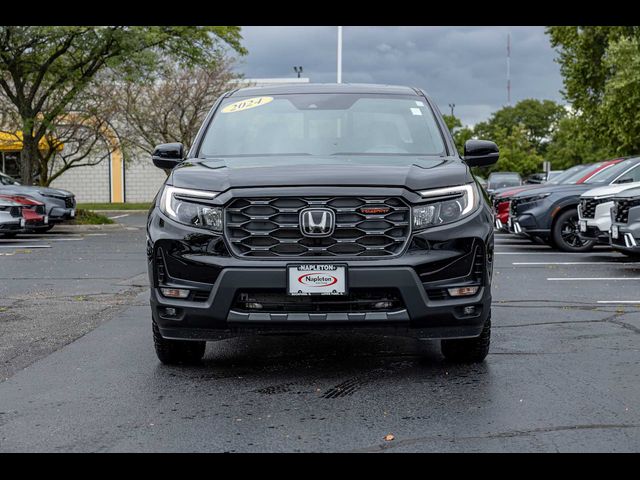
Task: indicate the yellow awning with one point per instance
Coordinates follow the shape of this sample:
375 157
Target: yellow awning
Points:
12 142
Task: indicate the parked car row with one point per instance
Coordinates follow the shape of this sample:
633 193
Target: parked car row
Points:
25 209
584 206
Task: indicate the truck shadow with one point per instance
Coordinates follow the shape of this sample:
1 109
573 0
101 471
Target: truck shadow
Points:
329 366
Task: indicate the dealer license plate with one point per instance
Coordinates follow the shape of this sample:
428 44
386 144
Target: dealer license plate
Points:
317 279
615 232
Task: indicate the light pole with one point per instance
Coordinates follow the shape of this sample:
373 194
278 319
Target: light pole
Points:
452 106
339 55
298 70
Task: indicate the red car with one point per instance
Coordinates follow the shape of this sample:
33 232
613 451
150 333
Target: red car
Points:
574 175
33 212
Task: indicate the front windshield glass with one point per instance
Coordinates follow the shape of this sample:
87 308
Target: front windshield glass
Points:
500 180
609 174
323 124
572 175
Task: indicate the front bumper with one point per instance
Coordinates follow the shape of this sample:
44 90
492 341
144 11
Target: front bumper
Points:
12 226
200 262
628 238
596 228
61 214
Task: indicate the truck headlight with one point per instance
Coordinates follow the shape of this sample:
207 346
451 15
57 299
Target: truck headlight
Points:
185 206
448 205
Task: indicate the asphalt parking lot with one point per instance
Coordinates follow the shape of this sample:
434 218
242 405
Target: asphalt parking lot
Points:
79 372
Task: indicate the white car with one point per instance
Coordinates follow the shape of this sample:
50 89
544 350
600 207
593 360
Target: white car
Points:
594 211
11 220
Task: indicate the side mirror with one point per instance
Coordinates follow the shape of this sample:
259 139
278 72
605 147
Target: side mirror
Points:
168 155
480 153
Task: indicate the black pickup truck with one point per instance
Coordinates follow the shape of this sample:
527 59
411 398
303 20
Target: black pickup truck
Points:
313 208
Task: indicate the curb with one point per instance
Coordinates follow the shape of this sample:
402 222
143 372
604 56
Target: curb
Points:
88 228
119 212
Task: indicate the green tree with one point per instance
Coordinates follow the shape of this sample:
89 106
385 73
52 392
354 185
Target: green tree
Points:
621 101
571 145
517 153
460 136
460 133
600 68
44 69
536 118
452 122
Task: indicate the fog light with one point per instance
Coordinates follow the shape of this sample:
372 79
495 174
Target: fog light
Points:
463 291
175 292
383 305
253 306
170 312
469 310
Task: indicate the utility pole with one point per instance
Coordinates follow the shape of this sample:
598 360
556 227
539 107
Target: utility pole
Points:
339 55
509 68
452 106
298 70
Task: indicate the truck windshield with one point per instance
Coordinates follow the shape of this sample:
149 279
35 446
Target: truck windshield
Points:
573 174
323 124
612 172
501 180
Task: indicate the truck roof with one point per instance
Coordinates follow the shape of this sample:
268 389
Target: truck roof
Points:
323 88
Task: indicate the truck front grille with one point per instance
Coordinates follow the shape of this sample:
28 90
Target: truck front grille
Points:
15 212
588 206
621 209
513 207
270 227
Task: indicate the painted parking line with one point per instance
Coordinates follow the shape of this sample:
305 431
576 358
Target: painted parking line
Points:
20 246
574 263
590 279
119 216
558 253
615 302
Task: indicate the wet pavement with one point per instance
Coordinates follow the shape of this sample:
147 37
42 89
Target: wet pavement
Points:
562 375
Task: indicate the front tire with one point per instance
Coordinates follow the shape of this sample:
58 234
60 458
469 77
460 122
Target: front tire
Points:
468 350
565 234
174 352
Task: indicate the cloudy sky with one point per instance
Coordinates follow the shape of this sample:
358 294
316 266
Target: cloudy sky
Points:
461 65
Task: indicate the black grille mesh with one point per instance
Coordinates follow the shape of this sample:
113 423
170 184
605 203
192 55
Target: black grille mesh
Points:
588 206
269 227
621 209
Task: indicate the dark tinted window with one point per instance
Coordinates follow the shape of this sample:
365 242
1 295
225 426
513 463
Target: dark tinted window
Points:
323 124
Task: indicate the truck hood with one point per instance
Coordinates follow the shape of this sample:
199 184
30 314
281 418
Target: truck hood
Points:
631 193
510 191
412 172
610 190
24 189
559 189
